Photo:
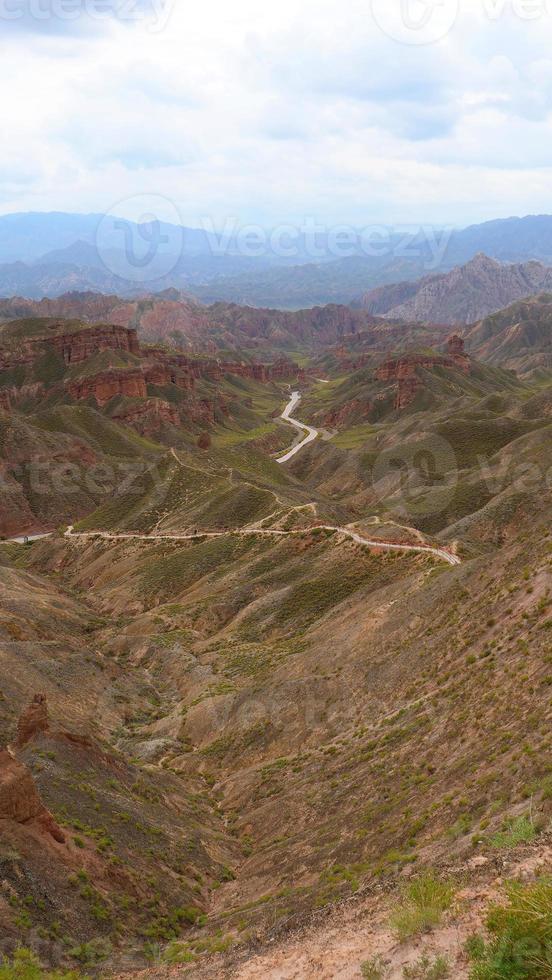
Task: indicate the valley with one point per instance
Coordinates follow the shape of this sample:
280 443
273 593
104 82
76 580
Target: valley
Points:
251 684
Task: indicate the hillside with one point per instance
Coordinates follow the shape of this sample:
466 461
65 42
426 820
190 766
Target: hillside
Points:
464 295
245 699
519 337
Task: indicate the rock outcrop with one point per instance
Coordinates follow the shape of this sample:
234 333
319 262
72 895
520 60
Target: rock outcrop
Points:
74 347
105 386
20 802
33 720
148 416
78 347
174 318
405 370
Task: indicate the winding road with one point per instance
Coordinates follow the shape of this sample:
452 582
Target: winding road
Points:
267 532
311 435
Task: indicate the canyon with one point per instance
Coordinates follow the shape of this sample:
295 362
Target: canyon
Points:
200 769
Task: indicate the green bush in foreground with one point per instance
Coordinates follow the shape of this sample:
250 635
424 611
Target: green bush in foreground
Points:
25 966
422 906
373 969
518 831
520 943
427 969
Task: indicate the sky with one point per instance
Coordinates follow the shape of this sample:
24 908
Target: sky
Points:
236 112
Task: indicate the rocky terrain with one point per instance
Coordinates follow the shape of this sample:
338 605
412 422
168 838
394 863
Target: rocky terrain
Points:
86 406
236 727
172 318
464 295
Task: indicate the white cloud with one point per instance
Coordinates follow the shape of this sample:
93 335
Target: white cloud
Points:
273 111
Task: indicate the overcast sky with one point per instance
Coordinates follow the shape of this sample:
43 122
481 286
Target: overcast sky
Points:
271 110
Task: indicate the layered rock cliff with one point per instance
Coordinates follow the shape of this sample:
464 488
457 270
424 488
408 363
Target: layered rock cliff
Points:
107 385
405 370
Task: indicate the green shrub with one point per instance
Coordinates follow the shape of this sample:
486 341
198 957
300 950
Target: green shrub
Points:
427 969
520 943
422 906
26 966
92 953
374 969
518 831
177 953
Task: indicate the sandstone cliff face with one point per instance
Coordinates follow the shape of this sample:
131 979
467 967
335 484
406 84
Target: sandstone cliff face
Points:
78 347
404 370
103 387
356 410
148 416
73 348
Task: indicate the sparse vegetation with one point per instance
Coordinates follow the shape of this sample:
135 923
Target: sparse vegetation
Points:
424 901
428 968
24 965
519 946
374 969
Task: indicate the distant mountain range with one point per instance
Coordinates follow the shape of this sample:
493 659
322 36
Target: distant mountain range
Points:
463 295
48 254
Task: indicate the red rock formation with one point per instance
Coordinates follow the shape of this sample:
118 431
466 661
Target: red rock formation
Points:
78 347
457 353
148 416
204 441
407 390
19 799
105 386
455 345
404 370
356 409
33 720
74 347
5 402
403 367
167 371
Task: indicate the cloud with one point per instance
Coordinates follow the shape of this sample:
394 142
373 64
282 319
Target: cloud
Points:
51 18
275 111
